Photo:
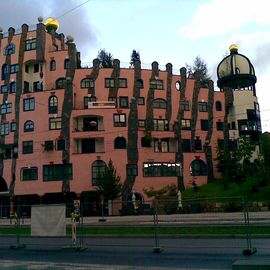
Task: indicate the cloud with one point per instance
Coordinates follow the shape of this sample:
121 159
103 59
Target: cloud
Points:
223 16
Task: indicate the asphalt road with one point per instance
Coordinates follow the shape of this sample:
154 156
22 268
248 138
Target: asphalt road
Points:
128 253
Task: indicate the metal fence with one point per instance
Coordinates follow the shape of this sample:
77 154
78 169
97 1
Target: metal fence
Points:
155 219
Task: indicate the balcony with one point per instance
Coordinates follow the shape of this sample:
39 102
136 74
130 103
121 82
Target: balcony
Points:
88 145
88 123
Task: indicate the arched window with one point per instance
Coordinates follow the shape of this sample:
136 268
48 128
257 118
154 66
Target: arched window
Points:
67 64
52 65
98 169
10 49
12 87
60 83
4 72
159 103
139 83
198 167
218 106
87 83
120 143
53 104
29 126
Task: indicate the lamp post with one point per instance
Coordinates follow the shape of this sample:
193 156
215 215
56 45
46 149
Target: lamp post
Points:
179 199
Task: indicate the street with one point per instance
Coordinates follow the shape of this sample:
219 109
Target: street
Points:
130 253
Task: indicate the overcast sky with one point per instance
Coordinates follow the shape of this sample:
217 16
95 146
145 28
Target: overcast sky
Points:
171 31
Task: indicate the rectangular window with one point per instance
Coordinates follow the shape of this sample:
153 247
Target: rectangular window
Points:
36 68
204 124
29 174
26 69
57 172
55 123
140 100
141 123
4 89
203 106
219 125
4 129
48 145
161 169
233 125
161 145
156 84
37 86
161 124
132 170
184 105
6 108
113 99
186 145
88 99
109 82
13 126
122 83
26 87
60 144
30 44
123 102
119 120
185 124
14 68
27 147
198 144
28 104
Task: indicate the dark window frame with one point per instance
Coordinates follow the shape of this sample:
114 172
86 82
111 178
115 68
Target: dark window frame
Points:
28 104
203 106
57 172
123 102
53 104
30 44
29 174
55 123
28 147
161 169
29 126
117 121
98 167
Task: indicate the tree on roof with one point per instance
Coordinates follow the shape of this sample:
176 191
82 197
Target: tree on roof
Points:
105 58
135 56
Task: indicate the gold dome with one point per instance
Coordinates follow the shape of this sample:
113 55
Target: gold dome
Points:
233 48
51 24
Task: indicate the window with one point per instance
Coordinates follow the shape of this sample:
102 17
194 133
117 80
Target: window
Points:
29 174
132 170
186 145
60 83
29 104
98 169
30 44
123 102
109 82
4 72
161 145
60 144
139 83
198 168
120 143
48 145
184 105
66 64
55 47
57 172
204 124
87 83
203 106
141 123
53 104
4 129
4 89
122 83
26 68
37 86
52 65
178 85
161 124
233 125
219 125
161 169
27 147
36 68
156 84
6 108
218 106
159 103
12 87
119 120
88 99
14 68
26 87
55 123
198 144
13 126
140 100
10 49
113 99
185 124
28 126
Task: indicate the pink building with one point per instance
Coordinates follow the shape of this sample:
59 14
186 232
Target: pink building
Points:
61 123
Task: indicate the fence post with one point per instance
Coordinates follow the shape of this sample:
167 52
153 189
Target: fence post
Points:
249 250
157 248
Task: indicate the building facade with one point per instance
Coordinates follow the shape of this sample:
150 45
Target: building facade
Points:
62 123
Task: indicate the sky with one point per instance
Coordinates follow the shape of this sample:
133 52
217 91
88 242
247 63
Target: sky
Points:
171 31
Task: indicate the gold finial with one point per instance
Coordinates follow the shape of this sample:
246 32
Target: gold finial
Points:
51 24
233 48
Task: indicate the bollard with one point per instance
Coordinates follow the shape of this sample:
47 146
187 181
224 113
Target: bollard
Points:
157 248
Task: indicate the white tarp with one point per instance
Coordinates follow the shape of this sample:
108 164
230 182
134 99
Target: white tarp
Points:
48 220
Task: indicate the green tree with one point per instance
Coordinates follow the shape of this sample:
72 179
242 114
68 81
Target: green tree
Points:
105 58
135 56
265 143
109 185
200 67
